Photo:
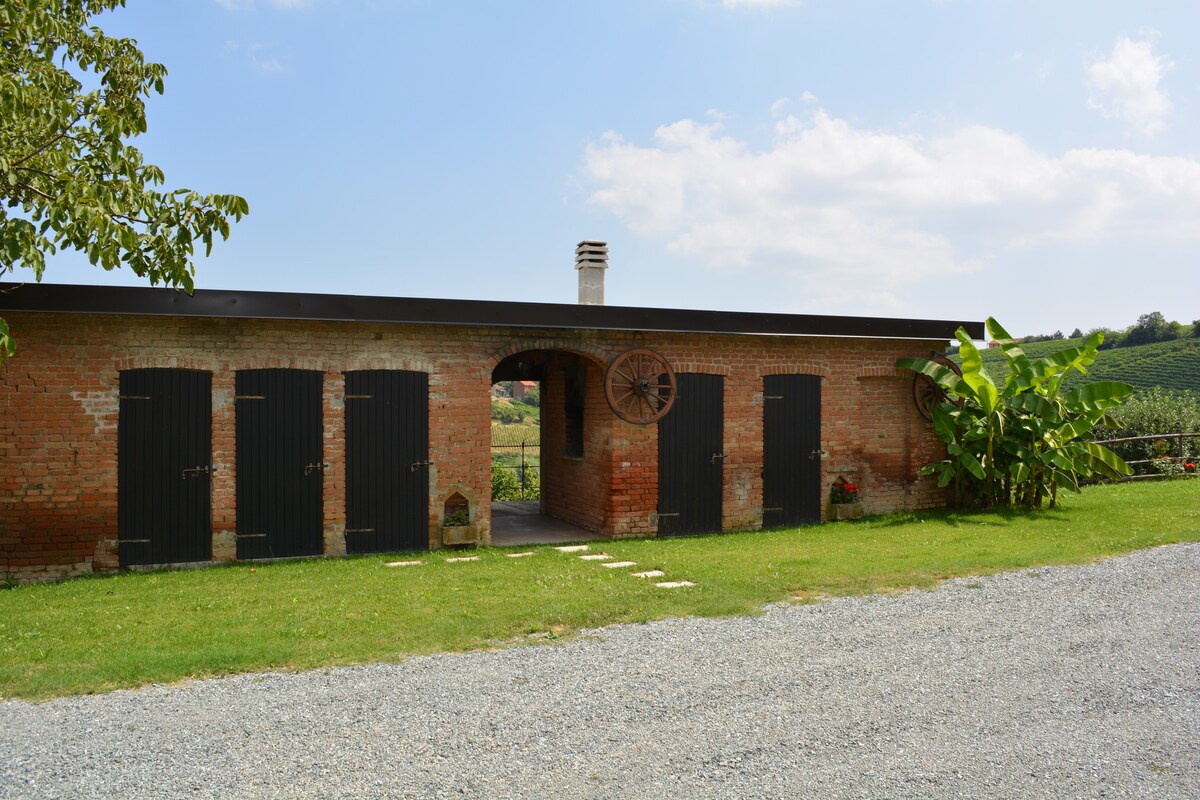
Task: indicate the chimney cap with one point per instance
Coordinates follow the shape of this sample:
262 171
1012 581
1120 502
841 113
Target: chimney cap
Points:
591 253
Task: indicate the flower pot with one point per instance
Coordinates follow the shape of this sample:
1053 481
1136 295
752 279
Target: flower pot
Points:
847 510
460 534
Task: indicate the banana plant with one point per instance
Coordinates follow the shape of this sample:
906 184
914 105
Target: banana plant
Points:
1022 441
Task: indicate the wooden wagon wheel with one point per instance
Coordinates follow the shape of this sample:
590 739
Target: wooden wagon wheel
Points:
926 393
640 386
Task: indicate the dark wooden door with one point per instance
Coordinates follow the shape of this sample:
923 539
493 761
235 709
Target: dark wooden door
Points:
791 450
387 452
279 469
164 455
691 457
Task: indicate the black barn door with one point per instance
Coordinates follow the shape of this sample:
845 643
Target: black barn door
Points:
279 469
387 452
691 458
164 454
791 450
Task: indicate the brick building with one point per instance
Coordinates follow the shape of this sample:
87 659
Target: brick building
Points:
144 426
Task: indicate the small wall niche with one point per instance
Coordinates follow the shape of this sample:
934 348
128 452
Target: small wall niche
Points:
456 511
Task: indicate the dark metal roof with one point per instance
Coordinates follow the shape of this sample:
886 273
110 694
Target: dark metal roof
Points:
63 298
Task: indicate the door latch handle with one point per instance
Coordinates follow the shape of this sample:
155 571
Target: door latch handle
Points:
815 454
416 465
717 457
195 472
316 466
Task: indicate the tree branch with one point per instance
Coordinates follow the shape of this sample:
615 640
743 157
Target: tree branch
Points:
52 140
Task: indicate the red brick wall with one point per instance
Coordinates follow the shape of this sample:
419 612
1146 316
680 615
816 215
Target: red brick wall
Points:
59 413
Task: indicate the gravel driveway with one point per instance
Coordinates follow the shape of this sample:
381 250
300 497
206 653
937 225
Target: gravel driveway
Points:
1055 683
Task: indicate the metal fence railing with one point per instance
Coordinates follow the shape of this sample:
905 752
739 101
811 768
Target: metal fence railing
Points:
516 470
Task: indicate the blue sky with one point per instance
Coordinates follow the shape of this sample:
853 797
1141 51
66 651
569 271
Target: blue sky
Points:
1033 161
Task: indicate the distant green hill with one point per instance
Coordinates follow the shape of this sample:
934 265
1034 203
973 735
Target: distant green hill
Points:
1172 365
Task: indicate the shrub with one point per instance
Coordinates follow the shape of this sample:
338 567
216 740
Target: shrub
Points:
1171 467
1155 412
506 484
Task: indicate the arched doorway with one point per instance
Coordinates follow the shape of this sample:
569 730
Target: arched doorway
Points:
550 461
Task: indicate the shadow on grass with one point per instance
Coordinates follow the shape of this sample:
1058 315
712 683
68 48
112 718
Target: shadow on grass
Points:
996 518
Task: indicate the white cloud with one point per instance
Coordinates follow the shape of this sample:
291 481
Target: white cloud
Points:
1125 86
269 65
881 210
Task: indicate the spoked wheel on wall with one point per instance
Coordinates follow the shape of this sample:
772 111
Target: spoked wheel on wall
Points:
640 386
926 393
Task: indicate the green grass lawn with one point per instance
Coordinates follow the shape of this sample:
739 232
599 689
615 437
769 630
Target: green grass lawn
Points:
98 634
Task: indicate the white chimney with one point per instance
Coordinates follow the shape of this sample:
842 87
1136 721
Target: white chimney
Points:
591 259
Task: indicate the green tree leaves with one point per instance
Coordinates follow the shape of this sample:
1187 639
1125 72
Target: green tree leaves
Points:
1020 443
69 179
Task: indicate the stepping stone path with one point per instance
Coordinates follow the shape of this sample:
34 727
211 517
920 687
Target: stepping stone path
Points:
574 548
605 557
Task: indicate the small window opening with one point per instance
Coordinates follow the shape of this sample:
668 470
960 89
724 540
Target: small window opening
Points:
573 408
